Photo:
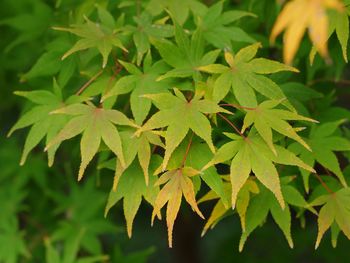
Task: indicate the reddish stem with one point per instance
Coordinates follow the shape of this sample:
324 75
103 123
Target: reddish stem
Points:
231 124
324 184
237 106
187 151
87 84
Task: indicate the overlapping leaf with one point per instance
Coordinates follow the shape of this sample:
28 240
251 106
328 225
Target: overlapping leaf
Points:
245 76
180 115
132 188
335 209
146 31
266 117
298 16
217 29
43 124
250 154
95 124
323 143
178 183
180 12
264 202
102 36
187 56
140 83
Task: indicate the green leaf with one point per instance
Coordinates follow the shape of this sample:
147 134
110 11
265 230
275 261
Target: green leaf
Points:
323 143
335 209
245 75
266 117
217 26
131 188
95 124
180 115
93 35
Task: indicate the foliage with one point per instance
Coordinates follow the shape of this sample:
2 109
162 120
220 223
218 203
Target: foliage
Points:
174 103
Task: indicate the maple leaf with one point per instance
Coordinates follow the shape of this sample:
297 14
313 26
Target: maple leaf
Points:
180 12
137 146
264 202
178 183
147 31
187 56
180 115
335 209
245 76
140 83
323 143
95 124
250 154
338 23
216 27
43 124
266 117
220 209
299 15
131 188
102 36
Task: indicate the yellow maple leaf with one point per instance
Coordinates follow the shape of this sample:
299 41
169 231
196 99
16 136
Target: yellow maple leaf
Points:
300 15
177 184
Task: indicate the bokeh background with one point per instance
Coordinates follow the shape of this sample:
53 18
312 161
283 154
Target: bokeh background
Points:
38 203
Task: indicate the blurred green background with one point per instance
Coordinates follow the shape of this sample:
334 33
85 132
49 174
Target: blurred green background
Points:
38 203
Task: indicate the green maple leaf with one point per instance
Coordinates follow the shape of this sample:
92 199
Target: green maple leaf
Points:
179 11
140 83
244 76
131 188
85 223
250 154
180 115
186 56
266 117
323 143
95 124
178 183
335 209
103 36
70 252
147 31
42 123
264 202
217 29
139 146
221 208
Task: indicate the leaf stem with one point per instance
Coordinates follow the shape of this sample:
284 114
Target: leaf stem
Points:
187 151
87 84
237 106
232 125
324 184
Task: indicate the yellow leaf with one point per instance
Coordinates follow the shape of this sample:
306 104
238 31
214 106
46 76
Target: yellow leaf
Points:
299 16
178 184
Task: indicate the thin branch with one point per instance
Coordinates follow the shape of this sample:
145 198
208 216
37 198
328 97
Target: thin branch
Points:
187 151
87 84
231 124
324 184
340 81
237 106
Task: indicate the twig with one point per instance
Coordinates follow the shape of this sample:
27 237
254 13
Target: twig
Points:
87 84
232 125
340 81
